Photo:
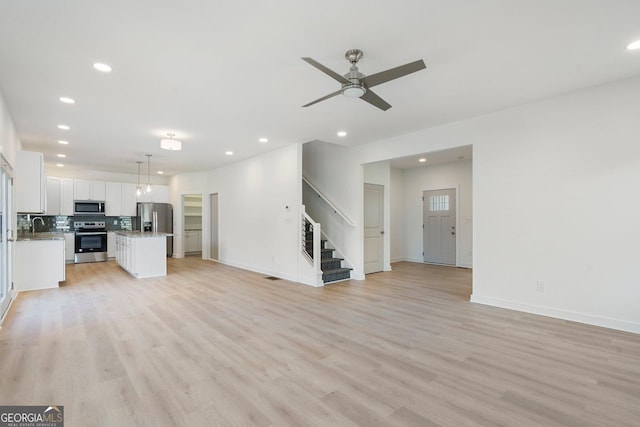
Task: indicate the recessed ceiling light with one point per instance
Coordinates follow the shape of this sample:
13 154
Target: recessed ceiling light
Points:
60 165
63 127
263 140
160 172
102 67
422 160
63 142
67 100
229 153
62 155
634 45
460 157
342 133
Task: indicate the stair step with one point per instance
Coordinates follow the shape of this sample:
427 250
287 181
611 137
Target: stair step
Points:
331 264
326 253
335 275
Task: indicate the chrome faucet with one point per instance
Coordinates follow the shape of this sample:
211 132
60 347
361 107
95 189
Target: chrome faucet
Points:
33 223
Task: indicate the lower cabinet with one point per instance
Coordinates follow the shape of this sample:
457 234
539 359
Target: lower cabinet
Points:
142 256
111 244
39 264
192 241
69 248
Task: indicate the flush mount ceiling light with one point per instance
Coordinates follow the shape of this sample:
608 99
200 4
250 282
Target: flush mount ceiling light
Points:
102 67
171 144
67 100
63 127
634 45
342 133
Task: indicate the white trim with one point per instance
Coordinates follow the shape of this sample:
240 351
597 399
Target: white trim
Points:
269 273
573 316
446 187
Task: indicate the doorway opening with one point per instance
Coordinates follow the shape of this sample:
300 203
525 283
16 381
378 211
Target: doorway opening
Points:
192 223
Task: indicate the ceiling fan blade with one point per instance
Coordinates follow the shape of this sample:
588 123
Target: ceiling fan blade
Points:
323 98
327 71
375 100
393 73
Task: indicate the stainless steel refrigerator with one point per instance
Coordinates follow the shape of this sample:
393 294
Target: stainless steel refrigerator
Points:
157 217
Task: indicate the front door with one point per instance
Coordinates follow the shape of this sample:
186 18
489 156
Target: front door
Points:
5 235
373 228
439 226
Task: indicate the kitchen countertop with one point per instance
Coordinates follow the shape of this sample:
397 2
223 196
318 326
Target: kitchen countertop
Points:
138 234
40 236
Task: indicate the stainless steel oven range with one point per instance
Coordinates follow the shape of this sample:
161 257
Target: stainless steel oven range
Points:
91 241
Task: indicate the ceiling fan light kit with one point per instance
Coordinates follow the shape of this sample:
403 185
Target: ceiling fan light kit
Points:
170 144
357 85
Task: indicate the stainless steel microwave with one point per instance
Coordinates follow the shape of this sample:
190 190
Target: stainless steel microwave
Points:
88 207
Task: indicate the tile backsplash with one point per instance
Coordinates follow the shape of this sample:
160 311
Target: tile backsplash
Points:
62 223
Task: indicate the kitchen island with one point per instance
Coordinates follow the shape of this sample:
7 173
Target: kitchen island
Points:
142 254
39 262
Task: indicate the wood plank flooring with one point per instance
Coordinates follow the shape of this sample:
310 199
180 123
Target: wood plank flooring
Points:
211 345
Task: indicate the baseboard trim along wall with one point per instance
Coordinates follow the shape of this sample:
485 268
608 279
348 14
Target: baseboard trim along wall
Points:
277 274
605 322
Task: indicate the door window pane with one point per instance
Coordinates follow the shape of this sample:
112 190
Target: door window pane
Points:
439 203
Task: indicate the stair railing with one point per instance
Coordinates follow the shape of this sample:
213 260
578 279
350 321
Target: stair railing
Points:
311 241
337 211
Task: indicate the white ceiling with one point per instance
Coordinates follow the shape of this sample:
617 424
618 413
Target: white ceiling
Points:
220 75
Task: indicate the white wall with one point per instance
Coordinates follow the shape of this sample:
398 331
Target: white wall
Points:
10 144
449 175
259 217
555 199
397 236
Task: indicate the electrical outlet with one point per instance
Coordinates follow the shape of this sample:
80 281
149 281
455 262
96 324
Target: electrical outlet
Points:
540 286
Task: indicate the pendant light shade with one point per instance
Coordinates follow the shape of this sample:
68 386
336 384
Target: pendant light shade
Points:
148 189
138 189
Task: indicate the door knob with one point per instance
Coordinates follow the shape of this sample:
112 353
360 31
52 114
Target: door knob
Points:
382 232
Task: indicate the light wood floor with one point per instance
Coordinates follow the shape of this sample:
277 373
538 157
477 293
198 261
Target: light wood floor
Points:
214 345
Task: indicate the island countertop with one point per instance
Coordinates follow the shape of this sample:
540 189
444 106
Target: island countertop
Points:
20 237
139 234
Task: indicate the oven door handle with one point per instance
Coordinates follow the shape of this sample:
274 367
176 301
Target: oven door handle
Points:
97 233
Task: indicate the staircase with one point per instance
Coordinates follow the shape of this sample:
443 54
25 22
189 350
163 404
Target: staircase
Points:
332 270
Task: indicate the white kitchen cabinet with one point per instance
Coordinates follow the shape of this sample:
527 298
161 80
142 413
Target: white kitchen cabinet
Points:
192 241
54 195
111 244
89 190
59 196
142 254
69 248
39 264
30 184
113 199
128 200
120 199
159 194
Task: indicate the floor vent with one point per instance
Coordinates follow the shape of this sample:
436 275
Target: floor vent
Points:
272 278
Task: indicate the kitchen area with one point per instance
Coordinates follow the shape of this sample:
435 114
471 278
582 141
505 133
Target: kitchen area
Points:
73 221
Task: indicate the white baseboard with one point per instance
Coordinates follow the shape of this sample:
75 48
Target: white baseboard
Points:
590 319
266 272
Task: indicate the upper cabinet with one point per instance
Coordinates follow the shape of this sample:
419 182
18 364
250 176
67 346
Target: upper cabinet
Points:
159 194
89 190
30 183
59 196
120 199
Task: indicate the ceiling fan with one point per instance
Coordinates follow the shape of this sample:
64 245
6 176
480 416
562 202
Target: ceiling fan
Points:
357 85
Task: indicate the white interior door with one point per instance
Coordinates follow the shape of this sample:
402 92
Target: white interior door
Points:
6 239
439 226
373 228
214 226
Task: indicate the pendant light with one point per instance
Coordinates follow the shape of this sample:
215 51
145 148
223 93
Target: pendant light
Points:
138 188
148 190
